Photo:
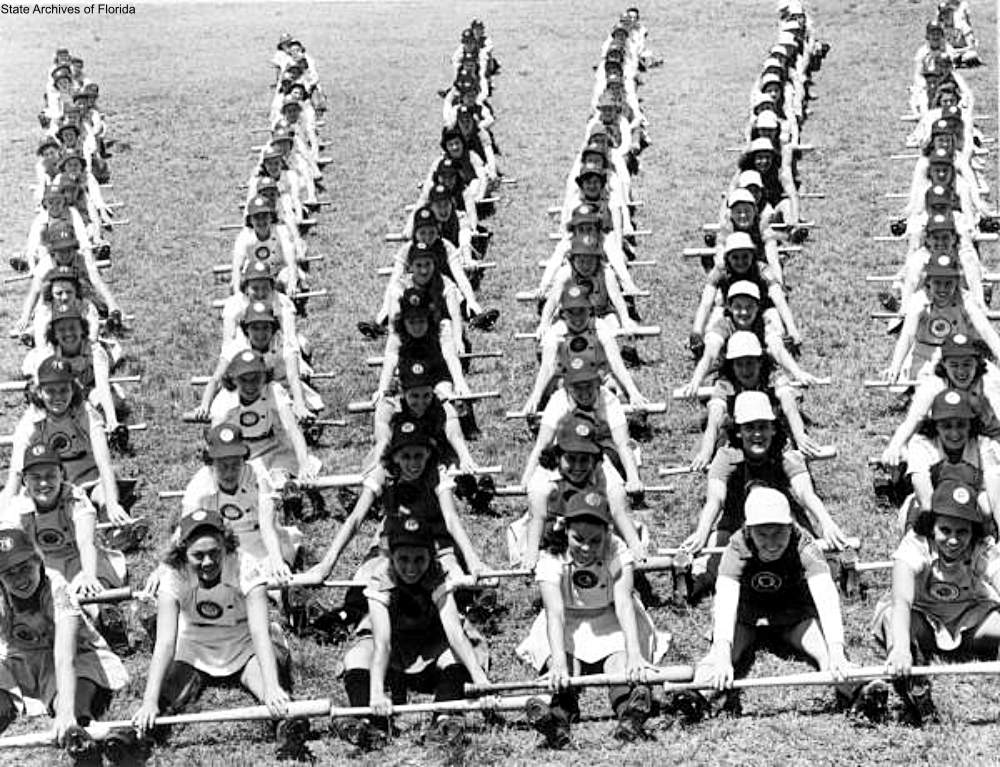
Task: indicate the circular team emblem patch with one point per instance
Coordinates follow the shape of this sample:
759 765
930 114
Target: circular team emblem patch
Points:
579 344
51 539
582 430
765 582
940 327
26 634
961 495
262 253
249 418
411 524
231 512
584 579
944 592
209 610
59 442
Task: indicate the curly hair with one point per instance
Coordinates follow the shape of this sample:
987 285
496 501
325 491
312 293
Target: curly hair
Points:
925 526
175 556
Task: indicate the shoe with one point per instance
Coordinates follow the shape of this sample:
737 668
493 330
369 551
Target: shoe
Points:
728 703
689 705
872 701
124 747
360 732
317 504
485 321
449 730
918 706
114 630
290 740
889 301
19 264
372 330
630 356
633 716
81 747
552 724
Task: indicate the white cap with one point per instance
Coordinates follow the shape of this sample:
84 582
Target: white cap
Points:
762 145
743 288
741 195
769 78
743 343
766 121
752 406
749 178
766 506
740 241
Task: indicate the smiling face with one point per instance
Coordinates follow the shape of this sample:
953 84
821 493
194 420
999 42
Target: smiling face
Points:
55 204
261 223
586 541
954 433
259 290
419 398
739 261
584 393
591 186
422 270
747 371
204 557
56 396
411 460
577 318
227 471
762 161
259 334
770 540
69 335
585 264
426 234
940 241
952 536
742 215
63 291
756 438
410 563
454 146
43 482
416 325
577 467
22 580
743 310
961 371
943 141
250 386
941 173
942 289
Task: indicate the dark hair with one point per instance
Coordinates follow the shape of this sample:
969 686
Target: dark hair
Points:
925 526
778 443
766 368
939 369
229 383
34 398
392 470
47 286
175 556
50 333
555 537
433 327
928 427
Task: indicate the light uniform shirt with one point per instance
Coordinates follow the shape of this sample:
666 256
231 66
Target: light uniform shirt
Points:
213 634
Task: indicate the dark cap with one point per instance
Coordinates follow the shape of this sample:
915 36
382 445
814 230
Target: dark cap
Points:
588 504
406 433
407 530
246 362
575 297
577 434
53 370
39 454
415 303
580 370
959 345
951 403
201 519
414 373
956 499
15 548
225 440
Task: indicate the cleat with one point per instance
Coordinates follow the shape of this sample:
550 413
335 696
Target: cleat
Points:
290 740
372 330
552 724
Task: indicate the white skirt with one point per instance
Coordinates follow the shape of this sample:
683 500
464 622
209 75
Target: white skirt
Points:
591 636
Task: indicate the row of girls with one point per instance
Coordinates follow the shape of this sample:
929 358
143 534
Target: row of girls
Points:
772 586
65 521
942 459
229 540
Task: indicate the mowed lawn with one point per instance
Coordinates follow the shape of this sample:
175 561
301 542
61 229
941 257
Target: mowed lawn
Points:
185 85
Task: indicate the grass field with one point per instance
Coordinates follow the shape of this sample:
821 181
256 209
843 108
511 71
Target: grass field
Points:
186 83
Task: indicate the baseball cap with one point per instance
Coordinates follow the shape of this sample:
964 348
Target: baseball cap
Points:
53 370
407 530
580 370
739 241
414 373
743 288
225 440
414 303
959 345
752 406
743 343
39 454
766 506
941 266
426 217
200 519
246 362
575 297
577 434
741 195
406 433
584 214
15 547
951 403
258 311
588 504
956 499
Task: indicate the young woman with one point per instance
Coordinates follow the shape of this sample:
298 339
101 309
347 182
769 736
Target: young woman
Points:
241 491
951 446
264 410
962 368
52 652
62 285
592 622
411 481
747 369
941 309
759 454
944 597
265 239
212 627
775 590
412 638
577 332
61 418
578 468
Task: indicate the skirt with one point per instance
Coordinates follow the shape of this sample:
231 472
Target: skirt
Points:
948 634
32 673
591 636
